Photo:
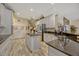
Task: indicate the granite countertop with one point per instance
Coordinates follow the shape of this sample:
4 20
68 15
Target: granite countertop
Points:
72 48
51 30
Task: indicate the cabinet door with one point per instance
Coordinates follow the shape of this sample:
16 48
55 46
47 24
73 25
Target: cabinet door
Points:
0 14
6 20
0 19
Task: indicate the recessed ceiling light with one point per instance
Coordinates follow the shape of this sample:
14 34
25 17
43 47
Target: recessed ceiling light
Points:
18 14
31 9
52 3
33 17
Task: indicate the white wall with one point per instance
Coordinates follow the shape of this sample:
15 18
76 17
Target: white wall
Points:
49 21
6 20
69 10
76 24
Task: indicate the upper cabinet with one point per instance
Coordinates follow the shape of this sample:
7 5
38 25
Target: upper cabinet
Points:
5 21
0 14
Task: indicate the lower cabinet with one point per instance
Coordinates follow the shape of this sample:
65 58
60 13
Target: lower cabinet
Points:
33 43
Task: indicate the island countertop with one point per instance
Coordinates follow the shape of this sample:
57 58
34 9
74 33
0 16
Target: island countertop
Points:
71 36
66 33
72 48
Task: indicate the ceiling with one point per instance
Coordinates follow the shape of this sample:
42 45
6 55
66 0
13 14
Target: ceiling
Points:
31 10
35 10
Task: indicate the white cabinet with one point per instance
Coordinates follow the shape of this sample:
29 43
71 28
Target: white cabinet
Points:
5 20
33 42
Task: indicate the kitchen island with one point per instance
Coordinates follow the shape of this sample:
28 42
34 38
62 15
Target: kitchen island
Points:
55 46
